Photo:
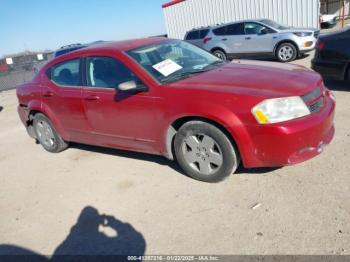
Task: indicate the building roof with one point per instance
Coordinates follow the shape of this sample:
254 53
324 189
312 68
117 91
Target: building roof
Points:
174 2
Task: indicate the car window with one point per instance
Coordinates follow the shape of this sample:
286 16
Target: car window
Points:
171 59
220 30
235 29
66 73
107 72
192 35
203 33
256 29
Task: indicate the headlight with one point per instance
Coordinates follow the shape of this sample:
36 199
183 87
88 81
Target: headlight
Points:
280 109
303 34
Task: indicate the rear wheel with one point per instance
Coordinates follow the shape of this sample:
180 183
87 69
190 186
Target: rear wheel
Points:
46 134
220 54
286 52
204 152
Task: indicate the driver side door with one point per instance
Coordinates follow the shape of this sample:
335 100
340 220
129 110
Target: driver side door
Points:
118 118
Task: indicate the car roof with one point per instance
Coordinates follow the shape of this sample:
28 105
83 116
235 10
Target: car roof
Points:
124 45
228 23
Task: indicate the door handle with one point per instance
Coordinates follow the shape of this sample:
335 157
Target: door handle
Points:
224 39
92 98
48 94
248 38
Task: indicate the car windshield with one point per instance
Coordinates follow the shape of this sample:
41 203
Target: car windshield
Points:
174 60
274 24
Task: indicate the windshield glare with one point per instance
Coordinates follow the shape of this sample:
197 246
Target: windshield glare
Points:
274 24
173 60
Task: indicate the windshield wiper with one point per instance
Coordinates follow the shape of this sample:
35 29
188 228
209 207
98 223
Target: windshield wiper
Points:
182 75
186 74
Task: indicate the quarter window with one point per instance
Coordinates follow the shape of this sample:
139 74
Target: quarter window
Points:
66 73
192 35
107 72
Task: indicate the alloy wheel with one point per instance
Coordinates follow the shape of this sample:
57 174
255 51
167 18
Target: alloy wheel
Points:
202 154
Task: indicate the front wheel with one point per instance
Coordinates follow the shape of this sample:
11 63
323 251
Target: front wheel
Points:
46 134
286 52
204 152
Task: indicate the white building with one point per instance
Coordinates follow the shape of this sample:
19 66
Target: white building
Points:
183 15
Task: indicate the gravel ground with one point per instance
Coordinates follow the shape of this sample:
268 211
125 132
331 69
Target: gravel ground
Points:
54 203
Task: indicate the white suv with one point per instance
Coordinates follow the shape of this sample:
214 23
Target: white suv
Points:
254 38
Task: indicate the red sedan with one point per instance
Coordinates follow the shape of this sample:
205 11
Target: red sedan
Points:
170 98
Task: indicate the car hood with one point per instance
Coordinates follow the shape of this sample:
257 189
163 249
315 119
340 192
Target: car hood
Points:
255 78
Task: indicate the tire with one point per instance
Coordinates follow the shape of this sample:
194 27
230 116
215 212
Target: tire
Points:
46 134
220 54
204 152
286 52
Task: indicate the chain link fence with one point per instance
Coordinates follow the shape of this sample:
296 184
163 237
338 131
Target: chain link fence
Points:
19 69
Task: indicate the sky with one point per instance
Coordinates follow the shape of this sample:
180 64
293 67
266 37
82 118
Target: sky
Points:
37 25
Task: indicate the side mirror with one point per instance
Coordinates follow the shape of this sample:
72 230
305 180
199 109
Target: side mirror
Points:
132 86
263 31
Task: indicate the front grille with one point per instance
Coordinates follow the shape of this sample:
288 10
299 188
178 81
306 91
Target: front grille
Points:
316 106
312 95
314 100
316 34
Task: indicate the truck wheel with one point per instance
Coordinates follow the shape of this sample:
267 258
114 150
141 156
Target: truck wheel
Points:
286 52
46 134
204 152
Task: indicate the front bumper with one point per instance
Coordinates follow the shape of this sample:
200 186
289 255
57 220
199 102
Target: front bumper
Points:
306 44
291 142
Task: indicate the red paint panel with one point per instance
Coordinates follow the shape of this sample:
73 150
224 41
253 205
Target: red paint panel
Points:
172 3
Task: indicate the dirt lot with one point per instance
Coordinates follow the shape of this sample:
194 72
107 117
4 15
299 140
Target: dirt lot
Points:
303 209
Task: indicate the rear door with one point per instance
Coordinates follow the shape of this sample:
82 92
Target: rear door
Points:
116 118
61 96
232 37
258 38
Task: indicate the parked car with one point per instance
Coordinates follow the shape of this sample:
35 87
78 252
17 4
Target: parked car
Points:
332 57
68 48
328 21
171 98
254 38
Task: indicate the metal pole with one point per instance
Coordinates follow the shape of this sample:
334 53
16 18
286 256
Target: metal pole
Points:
343 14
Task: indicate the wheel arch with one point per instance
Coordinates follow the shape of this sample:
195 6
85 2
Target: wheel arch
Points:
178 123
286 41
218 48
57 125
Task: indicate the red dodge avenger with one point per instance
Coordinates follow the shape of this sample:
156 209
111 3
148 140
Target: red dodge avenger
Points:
170 98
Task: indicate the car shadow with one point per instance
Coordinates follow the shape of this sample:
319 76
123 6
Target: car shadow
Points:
88 241
161 160
336 85
256 171
1 108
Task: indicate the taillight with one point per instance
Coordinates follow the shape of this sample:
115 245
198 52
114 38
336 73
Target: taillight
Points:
320 45
206 40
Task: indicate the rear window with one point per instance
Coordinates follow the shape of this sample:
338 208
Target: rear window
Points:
197 34
192 35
